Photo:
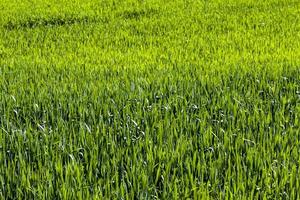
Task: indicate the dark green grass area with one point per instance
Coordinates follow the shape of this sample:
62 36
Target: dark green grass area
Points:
149 100
52 22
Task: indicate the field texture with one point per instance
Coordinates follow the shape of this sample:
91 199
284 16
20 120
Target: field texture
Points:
149 99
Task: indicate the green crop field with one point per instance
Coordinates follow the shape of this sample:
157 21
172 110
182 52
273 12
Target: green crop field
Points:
149 99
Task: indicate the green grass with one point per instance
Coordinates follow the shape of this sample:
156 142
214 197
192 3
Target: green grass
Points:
149 99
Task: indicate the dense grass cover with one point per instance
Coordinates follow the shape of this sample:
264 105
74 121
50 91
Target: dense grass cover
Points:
149 99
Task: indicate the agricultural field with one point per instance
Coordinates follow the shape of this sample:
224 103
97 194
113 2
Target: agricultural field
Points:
149 99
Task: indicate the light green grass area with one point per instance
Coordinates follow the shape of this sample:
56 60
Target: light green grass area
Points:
149 99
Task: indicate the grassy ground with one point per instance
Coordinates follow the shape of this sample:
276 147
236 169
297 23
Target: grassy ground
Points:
149 99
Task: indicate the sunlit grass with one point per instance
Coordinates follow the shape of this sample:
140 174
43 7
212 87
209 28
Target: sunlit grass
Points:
149 99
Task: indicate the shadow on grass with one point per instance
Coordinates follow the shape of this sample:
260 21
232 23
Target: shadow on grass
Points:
48 22
138 14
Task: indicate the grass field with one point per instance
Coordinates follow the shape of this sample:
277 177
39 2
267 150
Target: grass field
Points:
149 99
